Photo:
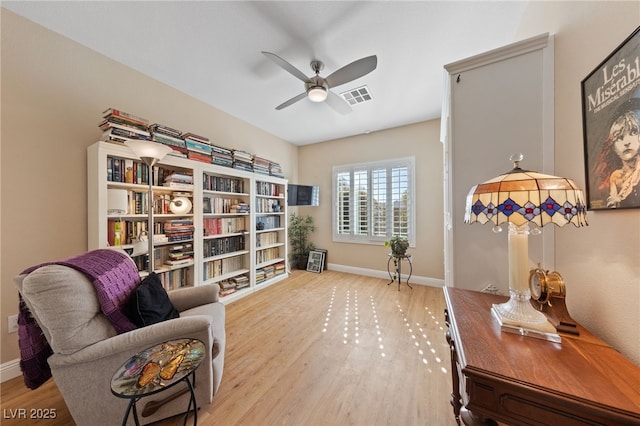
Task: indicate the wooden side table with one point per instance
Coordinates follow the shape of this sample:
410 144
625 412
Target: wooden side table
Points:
397 266
520 380
156 369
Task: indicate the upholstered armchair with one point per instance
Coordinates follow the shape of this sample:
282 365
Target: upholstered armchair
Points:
87 349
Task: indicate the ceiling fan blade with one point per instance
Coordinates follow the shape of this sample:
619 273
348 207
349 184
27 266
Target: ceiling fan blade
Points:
352 71
337 103
292 101
286 66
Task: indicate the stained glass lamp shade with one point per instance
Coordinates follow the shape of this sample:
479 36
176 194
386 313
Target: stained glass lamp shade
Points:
527 201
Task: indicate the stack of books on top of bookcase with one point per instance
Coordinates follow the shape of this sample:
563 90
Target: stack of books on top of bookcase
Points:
260 165
221 156
198 147
275 170
170 137
119 126
242 160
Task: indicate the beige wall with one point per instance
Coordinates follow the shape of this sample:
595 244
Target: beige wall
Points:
53 94
421 141
600 263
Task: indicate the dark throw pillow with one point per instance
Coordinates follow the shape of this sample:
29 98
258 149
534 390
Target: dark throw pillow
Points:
149 303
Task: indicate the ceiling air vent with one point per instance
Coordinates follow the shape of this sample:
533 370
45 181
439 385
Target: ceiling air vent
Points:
357 96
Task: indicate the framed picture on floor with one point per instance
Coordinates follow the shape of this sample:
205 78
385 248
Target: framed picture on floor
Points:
324 259
316 261
611 129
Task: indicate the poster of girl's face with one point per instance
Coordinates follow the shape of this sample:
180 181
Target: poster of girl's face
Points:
611 128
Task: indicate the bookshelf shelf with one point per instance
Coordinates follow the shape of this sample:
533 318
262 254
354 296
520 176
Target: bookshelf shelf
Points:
225 255
227 276
224 214
270 262
224 193
231 234
224 219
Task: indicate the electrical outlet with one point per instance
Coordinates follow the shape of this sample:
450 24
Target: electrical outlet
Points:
12 323
491 289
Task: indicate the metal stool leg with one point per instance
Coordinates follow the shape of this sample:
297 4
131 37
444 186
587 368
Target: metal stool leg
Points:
410 271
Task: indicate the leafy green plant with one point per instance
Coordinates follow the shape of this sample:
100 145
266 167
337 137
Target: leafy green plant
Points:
299 229
398 244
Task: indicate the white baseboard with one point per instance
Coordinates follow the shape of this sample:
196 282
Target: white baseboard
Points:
432 282
10 370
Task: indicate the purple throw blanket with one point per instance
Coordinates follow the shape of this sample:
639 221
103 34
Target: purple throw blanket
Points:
113 275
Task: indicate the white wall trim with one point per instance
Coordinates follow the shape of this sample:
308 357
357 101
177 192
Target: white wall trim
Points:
500 54
10 370
431 282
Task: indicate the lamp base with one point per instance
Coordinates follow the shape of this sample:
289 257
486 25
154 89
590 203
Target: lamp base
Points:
519 317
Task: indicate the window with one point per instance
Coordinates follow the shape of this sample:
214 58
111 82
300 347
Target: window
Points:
373 201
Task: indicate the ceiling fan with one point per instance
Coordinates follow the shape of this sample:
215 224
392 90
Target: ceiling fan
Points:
317 88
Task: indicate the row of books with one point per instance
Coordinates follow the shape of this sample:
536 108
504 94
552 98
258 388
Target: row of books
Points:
267 222
222 184
137 203
223 225
267 205
224 205
267 254
176 278
217 246
218 267
268 189
122 232
126 170
119 126
266 238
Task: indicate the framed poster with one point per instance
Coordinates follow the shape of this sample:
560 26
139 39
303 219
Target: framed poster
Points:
611 128
316 261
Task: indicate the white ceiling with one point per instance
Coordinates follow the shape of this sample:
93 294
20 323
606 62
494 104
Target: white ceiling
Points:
211 51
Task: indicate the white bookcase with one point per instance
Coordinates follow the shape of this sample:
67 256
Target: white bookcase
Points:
227 207
270 249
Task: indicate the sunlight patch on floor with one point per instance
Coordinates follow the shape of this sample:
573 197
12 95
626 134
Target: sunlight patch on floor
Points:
350 331
421 341
329 310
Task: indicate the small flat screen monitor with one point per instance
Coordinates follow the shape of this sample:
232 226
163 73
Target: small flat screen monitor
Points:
303 195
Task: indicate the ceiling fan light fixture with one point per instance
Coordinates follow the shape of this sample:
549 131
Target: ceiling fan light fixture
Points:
317 94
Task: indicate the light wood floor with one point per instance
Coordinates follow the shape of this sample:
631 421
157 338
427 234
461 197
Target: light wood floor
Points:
318 349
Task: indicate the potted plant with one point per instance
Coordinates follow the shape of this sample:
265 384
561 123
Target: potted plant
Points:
299 229
398 244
